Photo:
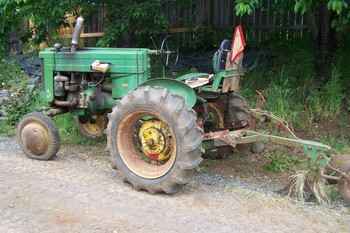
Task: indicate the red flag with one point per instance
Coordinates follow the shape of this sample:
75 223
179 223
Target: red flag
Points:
238 43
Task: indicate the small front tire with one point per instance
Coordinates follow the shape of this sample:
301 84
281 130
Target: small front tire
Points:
38 137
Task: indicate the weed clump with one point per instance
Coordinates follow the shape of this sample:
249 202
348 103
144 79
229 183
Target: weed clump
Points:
22 100
280 162
326 102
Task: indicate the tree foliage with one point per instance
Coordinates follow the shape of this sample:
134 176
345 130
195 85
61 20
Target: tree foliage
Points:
127 20
124 19
339 7
244 7
323 17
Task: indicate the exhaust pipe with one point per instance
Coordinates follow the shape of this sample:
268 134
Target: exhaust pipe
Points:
76 33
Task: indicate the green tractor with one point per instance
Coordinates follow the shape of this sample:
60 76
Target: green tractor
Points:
154 126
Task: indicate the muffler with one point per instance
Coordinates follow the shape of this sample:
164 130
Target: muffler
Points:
76 33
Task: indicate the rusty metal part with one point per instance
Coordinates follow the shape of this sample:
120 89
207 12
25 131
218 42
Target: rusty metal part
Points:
218 115
35 138
93 129
55 111
211 117
280 123
224 136
248 136
131 153
237 115
68 103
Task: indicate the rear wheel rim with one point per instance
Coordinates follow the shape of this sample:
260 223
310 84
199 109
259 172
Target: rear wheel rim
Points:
94 129
216 116
146 144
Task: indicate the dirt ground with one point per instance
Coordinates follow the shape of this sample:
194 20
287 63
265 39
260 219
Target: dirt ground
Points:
79 192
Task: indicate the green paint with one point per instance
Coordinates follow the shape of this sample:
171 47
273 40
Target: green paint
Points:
175 87
123 84
128 67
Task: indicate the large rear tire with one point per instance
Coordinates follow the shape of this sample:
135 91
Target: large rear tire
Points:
154 140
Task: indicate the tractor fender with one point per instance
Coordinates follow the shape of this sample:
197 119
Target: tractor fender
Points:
175 87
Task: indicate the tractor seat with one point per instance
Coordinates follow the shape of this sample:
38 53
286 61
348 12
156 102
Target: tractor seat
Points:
219 58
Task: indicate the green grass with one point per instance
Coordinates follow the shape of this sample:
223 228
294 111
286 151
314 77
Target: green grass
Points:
282 162
339 143
293 91
6 129
326 103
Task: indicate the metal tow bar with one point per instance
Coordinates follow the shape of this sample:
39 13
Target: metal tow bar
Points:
233 138
311 148
246 136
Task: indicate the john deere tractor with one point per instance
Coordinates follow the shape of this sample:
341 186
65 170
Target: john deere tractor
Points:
154 126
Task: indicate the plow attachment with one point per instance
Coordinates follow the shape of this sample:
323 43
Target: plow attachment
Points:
322 158
247 136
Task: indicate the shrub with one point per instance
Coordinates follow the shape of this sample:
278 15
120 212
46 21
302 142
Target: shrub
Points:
280 162
22 99
326 103
282 99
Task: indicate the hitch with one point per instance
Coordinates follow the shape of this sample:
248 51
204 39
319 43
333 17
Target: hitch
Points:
233 138
246 136
311 148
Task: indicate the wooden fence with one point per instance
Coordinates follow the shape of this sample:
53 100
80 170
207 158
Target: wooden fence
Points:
219 14
260 26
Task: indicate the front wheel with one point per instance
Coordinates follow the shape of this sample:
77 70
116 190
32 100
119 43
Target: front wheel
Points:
154 140
38 136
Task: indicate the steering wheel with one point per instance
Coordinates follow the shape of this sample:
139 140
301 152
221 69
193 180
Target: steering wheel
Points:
169 53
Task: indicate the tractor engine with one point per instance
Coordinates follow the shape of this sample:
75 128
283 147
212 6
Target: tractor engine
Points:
84 91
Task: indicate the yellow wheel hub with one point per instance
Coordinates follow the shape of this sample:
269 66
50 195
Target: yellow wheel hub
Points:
93 129
154 136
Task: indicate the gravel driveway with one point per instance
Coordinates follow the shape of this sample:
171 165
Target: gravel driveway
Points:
79 192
